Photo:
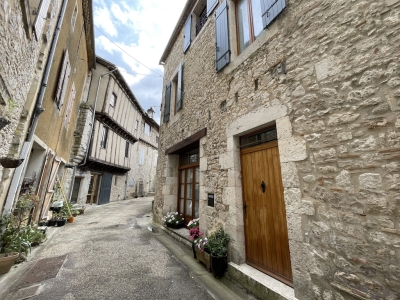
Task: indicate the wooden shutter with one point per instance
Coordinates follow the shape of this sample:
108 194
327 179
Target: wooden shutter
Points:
211 4
222 51
167 102
69 107
186 37
63 80
41 18
270 9
179 89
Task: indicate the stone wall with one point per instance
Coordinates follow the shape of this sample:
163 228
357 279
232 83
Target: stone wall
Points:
330 71
118 188
23 58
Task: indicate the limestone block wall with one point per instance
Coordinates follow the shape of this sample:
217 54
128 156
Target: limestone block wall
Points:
118 187
327 74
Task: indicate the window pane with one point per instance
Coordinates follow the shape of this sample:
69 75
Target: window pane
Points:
182 190
182 176
188 207
184 159
181 203
197 175
196 192
189 191
257 19
196 209
189 176
243 25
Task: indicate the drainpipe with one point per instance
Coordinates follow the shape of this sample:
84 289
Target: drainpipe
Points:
12 191
94 115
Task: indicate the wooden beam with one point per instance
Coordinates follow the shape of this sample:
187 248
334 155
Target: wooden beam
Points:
182 145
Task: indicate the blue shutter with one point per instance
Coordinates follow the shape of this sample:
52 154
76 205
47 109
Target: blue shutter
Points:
186 37
222 51
211 4
180 88
271 9
167 102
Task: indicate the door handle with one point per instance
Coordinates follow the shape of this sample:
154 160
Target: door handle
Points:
262 186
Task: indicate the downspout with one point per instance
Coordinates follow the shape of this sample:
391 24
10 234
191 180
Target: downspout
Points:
12 191
94 115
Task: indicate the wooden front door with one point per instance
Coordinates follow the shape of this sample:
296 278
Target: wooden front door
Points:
267 244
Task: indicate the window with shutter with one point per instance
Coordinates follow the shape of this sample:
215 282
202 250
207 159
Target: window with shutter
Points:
41 18
167 102
187 32
179 90
271 9
211 4
222 51
127 149
249 22
104 136
68 111
63 80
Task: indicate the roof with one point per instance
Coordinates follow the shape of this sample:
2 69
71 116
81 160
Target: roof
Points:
127 89
178 28
89 36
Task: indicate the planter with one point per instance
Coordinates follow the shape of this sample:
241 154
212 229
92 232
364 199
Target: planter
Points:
175 226
204 258
52 223
194 250
6 262
71 219
11 163
219 265
61 222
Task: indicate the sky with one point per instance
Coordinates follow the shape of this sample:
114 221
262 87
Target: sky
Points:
137 30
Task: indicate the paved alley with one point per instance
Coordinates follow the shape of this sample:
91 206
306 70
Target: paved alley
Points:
109 253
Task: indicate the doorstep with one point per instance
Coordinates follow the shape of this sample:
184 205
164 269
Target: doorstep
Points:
259 284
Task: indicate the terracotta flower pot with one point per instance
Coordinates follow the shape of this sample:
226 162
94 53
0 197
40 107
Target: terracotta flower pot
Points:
71 219
6 262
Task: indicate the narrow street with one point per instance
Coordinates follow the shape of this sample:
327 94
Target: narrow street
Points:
110 253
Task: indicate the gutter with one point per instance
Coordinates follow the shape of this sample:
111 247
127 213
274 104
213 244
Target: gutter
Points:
15 182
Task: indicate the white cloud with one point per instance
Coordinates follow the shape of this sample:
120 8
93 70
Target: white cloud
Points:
102 19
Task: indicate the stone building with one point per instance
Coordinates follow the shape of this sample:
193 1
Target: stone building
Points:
109 156
64 85
26 34
281 124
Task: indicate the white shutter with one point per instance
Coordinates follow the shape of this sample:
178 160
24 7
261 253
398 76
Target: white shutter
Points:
41 18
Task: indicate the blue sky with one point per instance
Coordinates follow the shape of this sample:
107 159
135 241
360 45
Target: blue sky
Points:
142 29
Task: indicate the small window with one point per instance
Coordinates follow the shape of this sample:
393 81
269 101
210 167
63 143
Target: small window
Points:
167 102
157 139
141 158
113 99
136 124
104 136
258 138
127 149
146 129
201 20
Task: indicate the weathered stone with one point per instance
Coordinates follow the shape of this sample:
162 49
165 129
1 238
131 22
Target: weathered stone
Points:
370 180
338 119
324 155
343 180
344 136
367 144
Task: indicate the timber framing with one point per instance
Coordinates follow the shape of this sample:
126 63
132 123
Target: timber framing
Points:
106 119
96 164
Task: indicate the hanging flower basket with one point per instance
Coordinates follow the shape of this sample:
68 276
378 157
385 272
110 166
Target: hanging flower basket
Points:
11 163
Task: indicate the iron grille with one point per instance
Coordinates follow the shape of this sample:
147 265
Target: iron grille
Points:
202 20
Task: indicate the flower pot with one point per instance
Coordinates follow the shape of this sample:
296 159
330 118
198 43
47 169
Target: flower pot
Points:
174 225
61 222
6 262
194 251
11 163
219 265
52 223
203 257
71 220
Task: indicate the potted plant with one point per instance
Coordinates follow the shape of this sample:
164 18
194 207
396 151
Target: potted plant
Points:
194 232
202 254
174 220
217 245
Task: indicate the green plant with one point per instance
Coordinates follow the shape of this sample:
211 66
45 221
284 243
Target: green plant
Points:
217 243
11 105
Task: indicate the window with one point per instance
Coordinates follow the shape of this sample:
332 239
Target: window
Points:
157 139
68 111
113 99
146 129
141 158
167 102
222 50
127 149
41 18
136 124
104 136
73 19
252 17
63 80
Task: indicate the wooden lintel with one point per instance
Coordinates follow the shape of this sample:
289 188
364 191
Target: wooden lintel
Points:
186 142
